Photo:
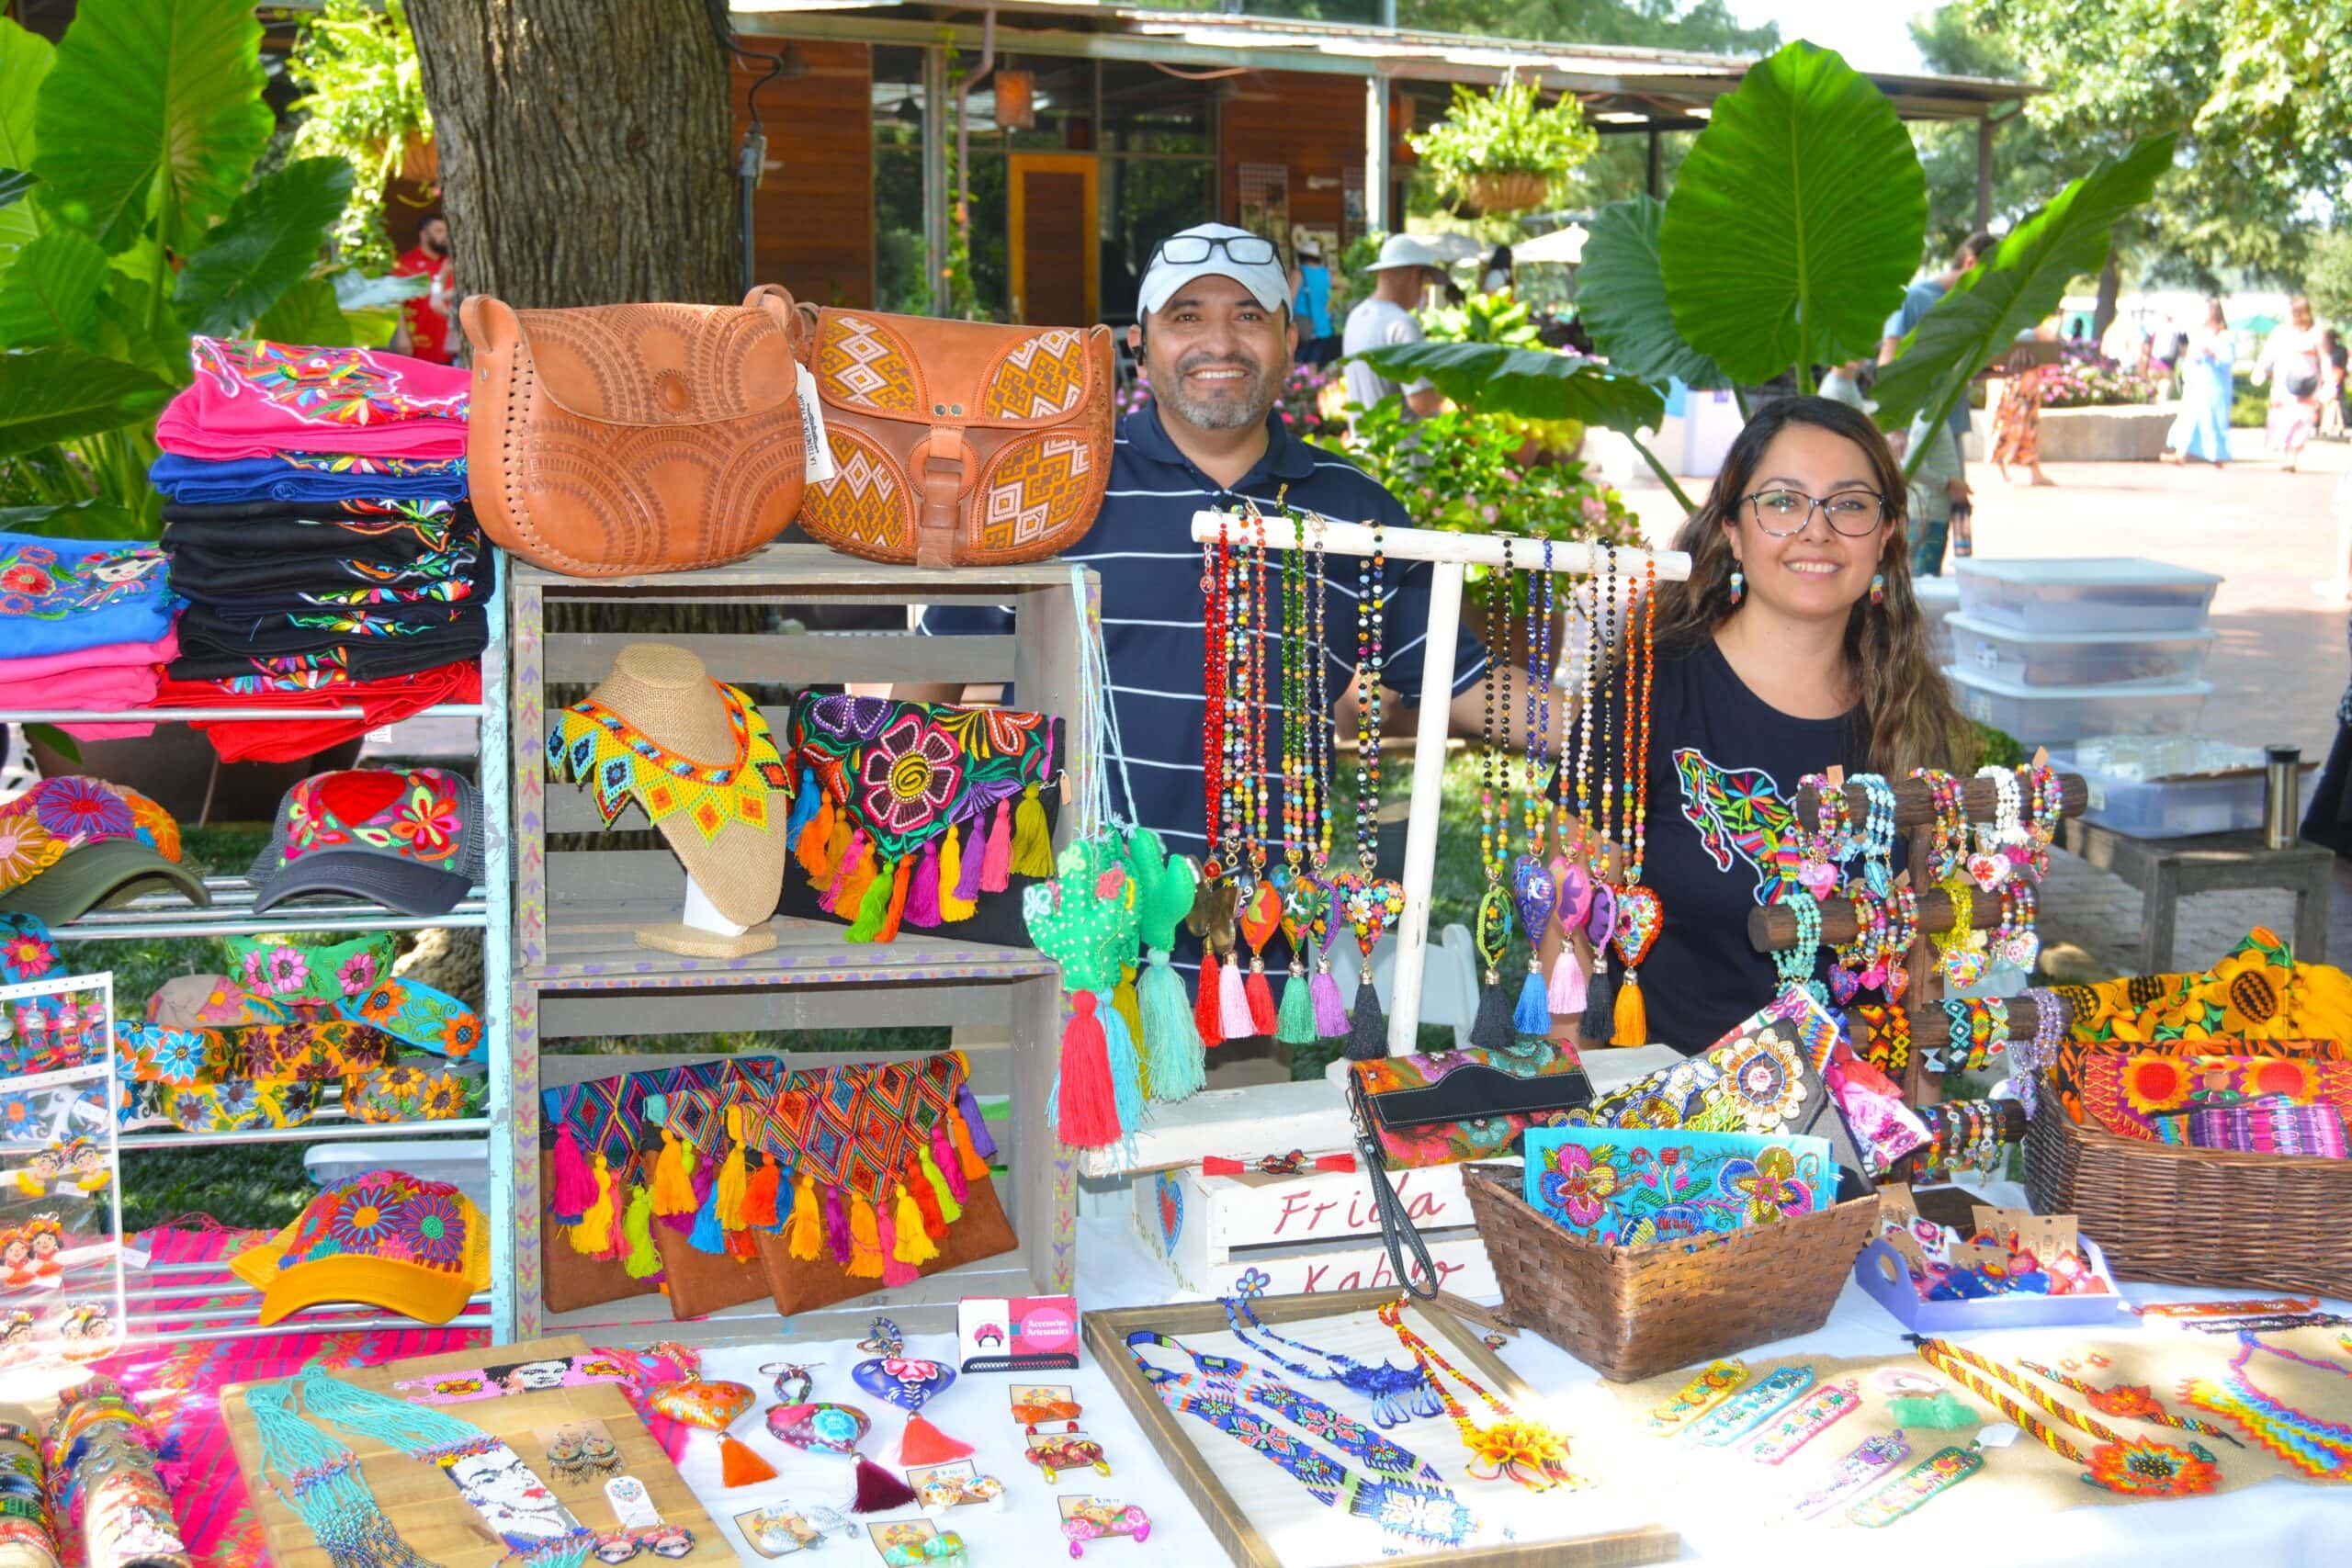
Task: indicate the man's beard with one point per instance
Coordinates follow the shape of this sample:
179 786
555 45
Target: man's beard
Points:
1221 414
432 247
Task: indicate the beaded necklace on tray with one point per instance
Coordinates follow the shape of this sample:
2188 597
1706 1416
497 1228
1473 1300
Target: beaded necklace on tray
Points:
1640 915
1397 1394
1515 1447
2136 1467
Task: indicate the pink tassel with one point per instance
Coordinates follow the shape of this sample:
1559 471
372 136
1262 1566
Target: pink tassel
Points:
895 1274
575 1188
850 857
1567 995
1331 1012
1233 1002
923 892
949 1165
997 864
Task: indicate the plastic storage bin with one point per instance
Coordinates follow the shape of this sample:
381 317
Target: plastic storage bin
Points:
2174 808
2099 593
2035 714
1939 600
2094 659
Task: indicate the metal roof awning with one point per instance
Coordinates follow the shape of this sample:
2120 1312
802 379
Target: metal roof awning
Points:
1623 88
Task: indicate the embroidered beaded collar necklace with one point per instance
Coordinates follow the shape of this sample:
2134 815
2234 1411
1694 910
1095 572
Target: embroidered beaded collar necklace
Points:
2321 1449
1397 1394
593 745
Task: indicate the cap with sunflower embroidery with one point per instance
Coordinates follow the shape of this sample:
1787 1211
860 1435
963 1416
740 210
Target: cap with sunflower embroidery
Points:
385 1239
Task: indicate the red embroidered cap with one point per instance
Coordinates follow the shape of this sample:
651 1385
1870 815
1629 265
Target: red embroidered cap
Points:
411 841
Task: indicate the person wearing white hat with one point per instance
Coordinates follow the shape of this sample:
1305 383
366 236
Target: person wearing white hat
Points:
1405 271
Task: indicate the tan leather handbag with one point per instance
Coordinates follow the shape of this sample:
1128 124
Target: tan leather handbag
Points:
957 441
630 439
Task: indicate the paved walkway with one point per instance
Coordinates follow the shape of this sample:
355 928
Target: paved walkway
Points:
2277 669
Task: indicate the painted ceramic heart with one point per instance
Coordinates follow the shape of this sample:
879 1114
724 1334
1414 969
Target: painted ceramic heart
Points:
1988 871
1531 886
1575 897
1639 917
1844 985
1817 877
1260 913
1306 906
711 1403
1600 918
1368 905
820 1429
909 1384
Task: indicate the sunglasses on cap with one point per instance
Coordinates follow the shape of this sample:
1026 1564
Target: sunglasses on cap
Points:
1187 250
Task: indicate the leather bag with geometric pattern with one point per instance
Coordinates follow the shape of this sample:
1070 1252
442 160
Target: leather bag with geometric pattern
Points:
956 443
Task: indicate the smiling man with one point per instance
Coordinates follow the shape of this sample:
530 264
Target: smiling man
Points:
1215 337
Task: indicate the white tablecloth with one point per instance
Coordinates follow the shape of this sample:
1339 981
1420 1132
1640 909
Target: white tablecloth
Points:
2277 1525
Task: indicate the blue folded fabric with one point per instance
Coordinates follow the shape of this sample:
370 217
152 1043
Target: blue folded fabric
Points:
65 595
308 476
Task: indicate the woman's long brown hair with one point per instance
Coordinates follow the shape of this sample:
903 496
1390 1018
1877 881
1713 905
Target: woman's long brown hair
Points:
1906 709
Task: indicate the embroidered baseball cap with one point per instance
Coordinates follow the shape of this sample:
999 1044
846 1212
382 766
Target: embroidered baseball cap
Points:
384 1238
411 841
117 846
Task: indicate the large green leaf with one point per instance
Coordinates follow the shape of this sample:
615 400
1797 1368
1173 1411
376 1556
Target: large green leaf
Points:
76 520
155 343
1532 383
49 293
154 108
14 183
307 313
1620 297
268 242
56 394
2022 282
1796 221
24 59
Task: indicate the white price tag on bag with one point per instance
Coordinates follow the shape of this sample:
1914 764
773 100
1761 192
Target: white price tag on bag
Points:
812 428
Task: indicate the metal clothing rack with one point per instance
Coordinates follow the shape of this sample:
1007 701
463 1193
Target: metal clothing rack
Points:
1448 554
487 908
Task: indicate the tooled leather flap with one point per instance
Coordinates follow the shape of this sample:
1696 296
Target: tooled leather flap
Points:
660 365
1476 1092
973 374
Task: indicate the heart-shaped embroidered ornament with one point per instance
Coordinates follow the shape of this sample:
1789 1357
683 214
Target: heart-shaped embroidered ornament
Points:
1260 914
1639 917
1575 896
902 1382
1536 896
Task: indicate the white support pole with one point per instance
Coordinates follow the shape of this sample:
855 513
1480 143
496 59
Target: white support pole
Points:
1448 554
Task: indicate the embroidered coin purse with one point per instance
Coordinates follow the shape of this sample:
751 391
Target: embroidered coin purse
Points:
236 1105
415 1014
406 1091
291 971
1631 1187
907 813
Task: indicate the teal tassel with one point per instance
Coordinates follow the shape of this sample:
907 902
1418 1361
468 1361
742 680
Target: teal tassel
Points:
1126 1082
708 1236
1533 1015
1172 1040
1295 1025
783 1204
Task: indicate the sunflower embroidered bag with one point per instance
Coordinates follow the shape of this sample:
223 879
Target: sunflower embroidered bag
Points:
956 443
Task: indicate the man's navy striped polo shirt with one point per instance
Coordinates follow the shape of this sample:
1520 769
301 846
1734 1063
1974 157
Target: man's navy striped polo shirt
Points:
1153 615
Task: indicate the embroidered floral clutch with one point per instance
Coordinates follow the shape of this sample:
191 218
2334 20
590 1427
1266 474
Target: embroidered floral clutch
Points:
1633 1187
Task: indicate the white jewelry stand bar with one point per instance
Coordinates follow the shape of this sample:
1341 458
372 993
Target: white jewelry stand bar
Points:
1448 555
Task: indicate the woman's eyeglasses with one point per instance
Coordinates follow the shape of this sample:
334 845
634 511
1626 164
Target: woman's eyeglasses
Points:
1184 250
1784 513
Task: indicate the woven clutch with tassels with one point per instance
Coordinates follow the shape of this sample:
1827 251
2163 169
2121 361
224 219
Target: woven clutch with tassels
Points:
896 797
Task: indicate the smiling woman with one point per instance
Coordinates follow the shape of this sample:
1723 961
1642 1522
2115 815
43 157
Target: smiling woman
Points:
1796 645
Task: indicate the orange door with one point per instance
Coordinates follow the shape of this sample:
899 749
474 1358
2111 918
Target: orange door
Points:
1055 256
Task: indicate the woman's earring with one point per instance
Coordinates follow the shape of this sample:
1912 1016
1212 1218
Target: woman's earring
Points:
1878 588
1739 586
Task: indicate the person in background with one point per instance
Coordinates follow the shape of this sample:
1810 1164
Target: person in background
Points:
2332 358
1404 273
2017 427
1939 504
2291 364
1310 307
2208 377
1843 383
1917 300
1497 276
426 317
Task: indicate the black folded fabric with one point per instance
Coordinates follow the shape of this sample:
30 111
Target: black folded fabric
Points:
235 510
231 581
363 661
408 531
293 627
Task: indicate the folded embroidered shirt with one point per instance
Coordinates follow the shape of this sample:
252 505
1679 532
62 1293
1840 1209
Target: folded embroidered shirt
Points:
252 398
364 660
280 476
106 687
113 655
264 740
63 595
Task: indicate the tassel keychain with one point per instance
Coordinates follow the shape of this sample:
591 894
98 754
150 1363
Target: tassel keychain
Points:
1085 920
1490 1027
1166 886
1599 1021
1639 914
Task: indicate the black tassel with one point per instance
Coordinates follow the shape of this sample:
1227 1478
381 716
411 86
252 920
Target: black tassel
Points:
1600 1006
1491 1029
1367 1027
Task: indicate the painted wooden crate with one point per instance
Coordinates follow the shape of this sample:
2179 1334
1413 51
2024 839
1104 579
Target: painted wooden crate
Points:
1312 1232
578 973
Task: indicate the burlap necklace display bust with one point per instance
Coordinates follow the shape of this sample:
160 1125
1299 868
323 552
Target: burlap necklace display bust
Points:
667 697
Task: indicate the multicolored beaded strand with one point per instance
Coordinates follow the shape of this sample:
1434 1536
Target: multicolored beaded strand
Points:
2128 1402
2132 1466
1515 1447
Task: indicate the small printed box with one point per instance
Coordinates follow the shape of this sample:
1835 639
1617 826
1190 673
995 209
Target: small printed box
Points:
1017 1333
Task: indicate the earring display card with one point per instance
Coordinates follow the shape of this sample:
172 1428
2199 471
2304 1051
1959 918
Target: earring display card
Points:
904 1542
778 1530
418 1500
61 1290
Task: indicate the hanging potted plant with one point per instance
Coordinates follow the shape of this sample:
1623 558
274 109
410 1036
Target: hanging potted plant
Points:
1504 150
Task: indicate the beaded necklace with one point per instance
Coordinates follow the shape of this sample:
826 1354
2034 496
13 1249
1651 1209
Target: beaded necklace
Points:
1795 964
1603 845
319 1478
1525 1451
1295 891
1877 838
1369 900
1639 914
1600 919
1397 1394
2134 1466
1216 655
1535 895
1260 904
2319 1448
1408 1509
1493 926
2128 1401
1239 1380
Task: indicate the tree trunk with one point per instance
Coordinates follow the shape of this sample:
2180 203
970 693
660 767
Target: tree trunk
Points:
2110 283
585 148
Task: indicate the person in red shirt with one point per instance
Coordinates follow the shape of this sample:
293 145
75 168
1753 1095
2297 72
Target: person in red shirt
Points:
428 315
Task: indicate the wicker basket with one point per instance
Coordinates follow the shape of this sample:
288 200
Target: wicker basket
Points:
1513 190
2195 1216
1631 1313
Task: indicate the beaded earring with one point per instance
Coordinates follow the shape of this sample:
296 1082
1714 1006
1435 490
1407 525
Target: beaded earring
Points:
1738 585
1878 588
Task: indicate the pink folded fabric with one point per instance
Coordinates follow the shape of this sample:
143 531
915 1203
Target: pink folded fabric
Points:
109 687
106 655
252 399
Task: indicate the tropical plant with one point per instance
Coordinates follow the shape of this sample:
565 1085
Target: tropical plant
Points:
1498 317
136 220
1507 131
363 102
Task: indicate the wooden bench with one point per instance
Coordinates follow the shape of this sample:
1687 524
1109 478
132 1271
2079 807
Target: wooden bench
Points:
2166 869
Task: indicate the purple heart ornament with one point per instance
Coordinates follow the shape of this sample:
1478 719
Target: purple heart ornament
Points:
1533 890
909 1384
1576 891
1600 919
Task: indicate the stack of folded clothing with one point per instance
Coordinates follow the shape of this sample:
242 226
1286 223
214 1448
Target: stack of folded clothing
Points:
83 624
317 526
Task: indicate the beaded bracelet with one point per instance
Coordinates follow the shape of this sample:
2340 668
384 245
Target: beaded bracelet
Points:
2018 943
2052 1015
2049 803
1902 911
1854 958
1830 842
1796 964
1887 1037
1950 841
1877 842
1960 951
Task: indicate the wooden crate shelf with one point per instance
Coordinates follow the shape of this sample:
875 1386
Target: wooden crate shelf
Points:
580 975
